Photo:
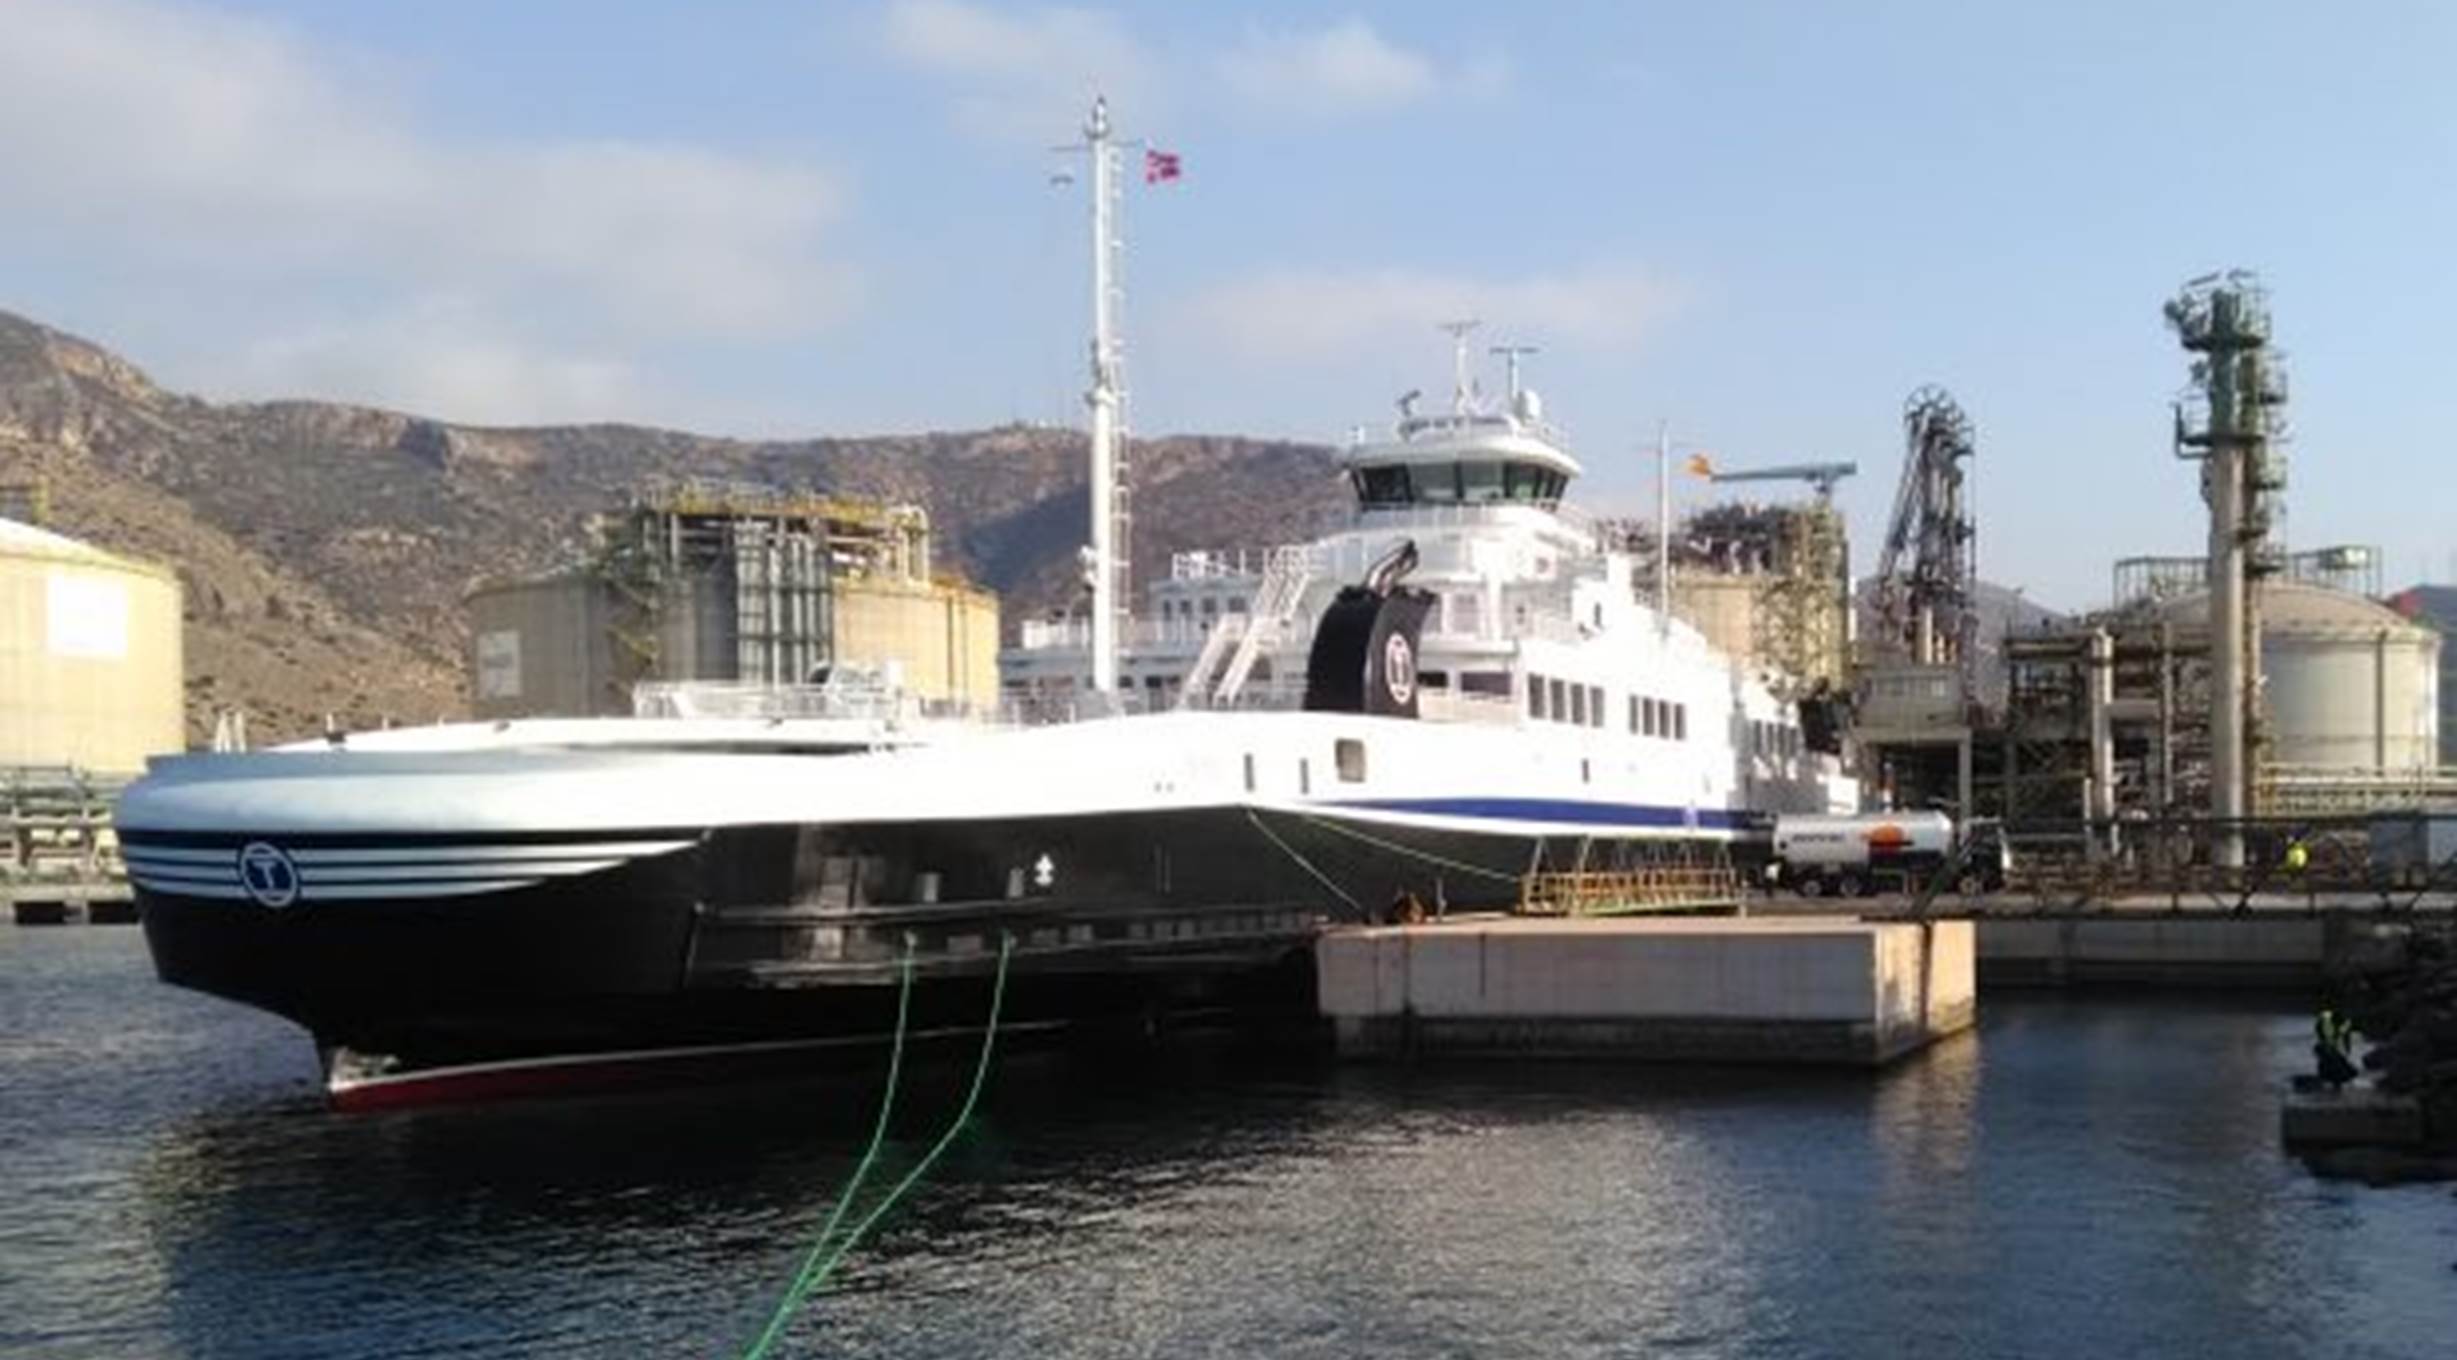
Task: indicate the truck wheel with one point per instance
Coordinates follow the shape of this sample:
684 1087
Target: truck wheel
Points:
1813 886
1971 884
1849 885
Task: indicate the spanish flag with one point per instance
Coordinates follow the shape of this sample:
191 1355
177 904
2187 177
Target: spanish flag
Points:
1699 467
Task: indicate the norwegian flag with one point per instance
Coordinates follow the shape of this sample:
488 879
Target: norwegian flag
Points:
1159 166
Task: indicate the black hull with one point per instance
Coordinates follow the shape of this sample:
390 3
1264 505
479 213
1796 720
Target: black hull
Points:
752 939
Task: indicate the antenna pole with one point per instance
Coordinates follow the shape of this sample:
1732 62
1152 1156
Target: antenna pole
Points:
1663 527
1459 331
1103 398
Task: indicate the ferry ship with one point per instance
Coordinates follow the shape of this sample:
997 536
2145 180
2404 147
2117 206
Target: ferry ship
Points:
1459 690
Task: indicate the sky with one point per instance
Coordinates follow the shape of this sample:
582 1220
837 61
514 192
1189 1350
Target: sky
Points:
1763 224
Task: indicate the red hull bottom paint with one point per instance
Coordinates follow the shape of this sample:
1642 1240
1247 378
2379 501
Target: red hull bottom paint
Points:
594 1073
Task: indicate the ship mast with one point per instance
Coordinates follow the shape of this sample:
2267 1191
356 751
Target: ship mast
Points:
1106 559
1663 528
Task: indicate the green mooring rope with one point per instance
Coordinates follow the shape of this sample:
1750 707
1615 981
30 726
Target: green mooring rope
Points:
822 1258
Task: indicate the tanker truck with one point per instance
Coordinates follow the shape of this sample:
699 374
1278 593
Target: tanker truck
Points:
1884 852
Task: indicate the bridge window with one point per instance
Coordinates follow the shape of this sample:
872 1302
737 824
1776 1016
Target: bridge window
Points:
1485 682
1383 486
1633 714
1680 722
1653 720
1578 704
1560 701
1595 705
1535 696
1480 481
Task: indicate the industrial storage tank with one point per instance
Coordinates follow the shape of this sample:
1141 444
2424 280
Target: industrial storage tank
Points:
2346 682
89 655
734 585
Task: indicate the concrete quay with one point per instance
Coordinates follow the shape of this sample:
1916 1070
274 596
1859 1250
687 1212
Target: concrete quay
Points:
2272 943
1827 990
93 902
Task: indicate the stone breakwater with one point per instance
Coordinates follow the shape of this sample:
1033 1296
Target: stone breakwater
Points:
2398 988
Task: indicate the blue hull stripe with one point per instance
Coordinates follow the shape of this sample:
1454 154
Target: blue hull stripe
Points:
1561 810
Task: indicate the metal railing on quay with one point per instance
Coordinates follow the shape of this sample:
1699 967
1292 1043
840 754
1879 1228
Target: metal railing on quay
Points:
2390 860
1619 891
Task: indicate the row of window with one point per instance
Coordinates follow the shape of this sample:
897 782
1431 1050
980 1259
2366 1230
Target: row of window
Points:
1185 609
1558 700
1452 483
1780 740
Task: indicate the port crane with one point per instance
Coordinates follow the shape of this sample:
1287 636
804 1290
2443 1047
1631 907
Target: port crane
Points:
1821 476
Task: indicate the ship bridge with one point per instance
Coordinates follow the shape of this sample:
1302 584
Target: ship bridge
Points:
1474 454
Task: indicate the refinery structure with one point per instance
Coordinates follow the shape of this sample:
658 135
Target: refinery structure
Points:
715 585
2216 701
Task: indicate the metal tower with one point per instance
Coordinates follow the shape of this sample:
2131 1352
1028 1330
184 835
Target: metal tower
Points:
2230 419
1929 571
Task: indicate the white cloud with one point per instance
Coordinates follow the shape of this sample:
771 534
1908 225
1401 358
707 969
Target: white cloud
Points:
1347 67
1023 75
240 155
444 357
1302 314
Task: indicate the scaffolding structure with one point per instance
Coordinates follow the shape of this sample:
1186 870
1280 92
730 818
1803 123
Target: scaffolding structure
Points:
1795 560
755 564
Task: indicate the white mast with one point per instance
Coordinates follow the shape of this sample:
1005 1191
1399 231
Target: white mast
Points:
1663 527
1462 385
1105 398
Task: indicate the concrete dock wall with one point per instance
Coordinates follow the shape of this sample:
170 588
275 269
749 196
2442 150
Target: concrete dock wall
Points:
2167 950
1792 990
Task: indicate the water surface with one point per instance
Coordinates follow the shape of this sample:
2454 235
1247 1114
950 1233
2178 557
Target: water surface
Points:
2091 1177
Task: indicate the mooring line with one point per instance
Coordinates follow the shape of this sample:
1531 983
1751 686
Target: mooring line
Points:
816 1268
811 1258
1303 863
1412 852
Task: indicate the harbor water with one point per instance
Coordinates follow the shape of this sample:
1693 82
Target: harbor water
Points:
2079 1176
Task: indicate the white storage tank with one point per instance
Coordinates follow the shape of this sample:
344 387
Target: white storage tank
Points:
89 655
2347 683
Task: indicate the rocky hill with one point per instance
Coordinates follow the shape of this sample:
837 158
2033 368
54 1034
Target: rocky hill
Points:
325 548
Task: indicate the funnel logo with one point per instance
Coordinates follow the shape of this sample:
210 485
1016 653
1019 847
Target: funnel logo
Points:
267 874
1399 669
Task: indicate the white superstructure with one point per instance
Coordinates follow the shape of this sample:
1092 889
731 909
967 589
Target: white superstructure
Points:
1535 624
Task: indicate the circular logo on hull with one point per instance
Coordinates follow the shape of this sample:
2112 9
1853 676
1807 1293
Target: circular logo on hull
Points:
268 876
1399 669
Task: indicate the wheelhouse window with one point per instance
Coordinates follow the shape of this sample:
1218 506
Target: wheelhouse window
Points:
1480 482
1384 486
1578 704
1535 696
1527 482
1595 705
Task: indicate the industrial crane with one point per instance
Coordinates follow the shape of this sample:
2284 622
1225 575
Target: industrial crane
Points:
1822 476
